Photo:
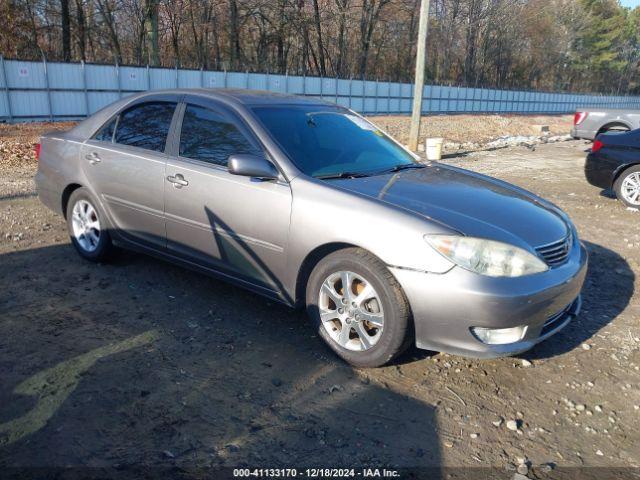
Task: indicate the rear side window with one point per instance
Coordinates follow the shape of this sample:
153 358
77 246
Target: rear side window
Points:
209 137
105 134
145 125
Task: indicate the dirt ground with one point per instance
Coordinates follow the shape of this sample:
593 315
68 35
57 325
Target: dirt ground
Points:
474 129
139 362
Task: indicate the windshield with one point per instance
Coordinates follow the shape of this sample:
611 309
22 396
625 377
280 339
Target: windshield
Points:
330 141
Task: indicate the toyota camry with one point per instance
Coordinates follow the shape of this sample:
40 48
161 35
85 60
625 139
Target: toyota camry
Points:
308 203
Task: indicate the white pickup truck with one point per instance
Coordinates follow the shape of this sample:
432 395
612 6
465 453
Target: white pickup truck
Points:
589 123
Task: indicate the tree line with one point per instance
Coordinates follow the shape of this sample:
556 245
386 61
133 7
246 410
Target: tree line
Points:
559 45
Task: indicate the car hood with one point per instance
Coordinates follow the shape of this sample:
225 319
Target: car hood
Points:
470 203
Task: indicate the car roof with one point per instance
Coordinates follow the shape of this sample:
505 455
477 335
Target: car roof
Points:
240 97
244 96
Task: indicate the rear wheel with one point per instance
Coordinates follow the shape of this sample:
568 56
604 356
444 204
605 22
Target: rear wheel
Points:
359 308
627 187
87 228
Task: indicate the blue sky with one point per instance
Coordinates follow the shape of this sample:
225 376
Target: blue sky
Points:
630 3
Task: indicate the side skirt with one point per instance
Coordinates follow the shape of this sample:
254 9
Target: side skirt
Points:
211 272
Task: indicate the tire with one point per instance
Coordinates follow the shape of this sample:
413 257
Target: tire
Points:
86 224
624 187
379 322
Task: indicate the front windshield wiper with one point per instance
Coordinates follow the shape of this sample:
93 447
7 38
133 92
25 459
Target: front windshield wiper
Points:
404 166
343 175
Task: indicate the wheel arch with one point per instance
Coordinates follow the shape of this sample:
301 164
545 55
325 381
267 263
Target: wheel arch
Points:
66 194
610 125
620 170
310 262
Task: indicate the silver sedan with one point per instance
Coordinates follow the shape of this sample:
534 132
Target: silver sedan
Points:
310 204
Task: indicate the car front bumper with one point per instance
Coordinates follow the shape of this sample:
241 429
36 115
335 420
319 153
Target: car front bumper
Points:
446 306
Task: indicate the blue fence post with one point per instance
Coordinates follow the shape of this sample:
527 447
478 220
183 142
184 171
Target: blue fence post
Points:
84 87
375 101
336 90
286 81
46 83
148 78
464 108
411 91
201 77
350 90
473 99
363 96
6 88
246 85
224 78
177 78
388 97
118 80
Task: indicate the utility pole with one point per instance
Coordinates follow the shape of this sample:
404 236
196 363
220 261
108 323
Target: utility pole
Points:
419 82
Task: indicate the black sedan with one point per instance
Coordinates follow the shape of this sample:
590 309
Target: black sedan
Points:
614 163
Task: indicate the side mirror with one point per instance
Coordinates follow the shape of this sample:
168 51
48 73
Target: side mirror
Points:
252 166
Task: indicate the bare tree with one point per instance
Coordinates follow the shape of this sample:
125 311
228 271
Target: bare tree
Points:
545 44
66 30
370 14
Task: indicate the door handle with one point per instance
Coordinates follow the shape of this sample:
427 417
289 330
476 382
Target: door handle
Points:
93 158
177 180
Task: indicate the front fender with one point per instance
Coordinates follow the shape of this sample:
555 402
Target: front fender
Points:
322 215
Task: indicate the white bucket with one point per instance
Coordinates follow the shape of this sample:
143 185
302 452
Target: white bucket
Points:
433 148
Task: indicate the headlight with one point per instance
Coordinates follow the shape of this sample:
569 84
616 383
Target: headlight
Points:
486 257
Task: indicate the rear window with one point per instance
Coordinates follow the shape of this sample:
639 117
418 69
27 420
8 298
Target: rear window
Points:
145 125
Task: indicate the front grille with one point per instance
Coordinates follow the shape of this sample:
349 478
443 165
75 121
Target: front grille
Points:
555 253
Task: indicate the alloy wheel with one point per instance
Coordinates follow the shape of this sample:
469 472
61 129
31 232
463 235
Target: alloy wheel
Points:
630 188
351 311
86 225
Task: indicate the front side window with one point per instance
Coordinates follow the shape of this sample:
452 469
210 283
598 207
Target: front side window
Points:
324 141
145 125
105 134
209 137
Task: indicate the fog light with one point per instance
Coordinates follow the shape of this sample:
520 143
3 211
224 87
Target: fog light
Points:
499 336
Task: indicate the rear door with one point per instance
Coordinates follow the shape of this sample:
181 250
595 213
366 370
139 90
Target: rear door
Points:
236 225
125 163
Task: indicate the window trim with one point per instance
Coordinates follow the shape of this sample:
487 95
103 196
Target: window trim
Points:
175 98
114 118
168 136
230 117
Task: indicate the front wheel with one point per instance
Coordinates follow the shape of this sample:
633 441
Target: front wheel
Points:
627 187
359 308
87 227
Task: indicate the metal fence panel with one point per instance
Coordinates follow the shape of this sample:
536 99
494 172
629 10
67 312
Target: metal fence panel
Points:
29 104
98 100
68 104
41 90
65 77
24 75
101 77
